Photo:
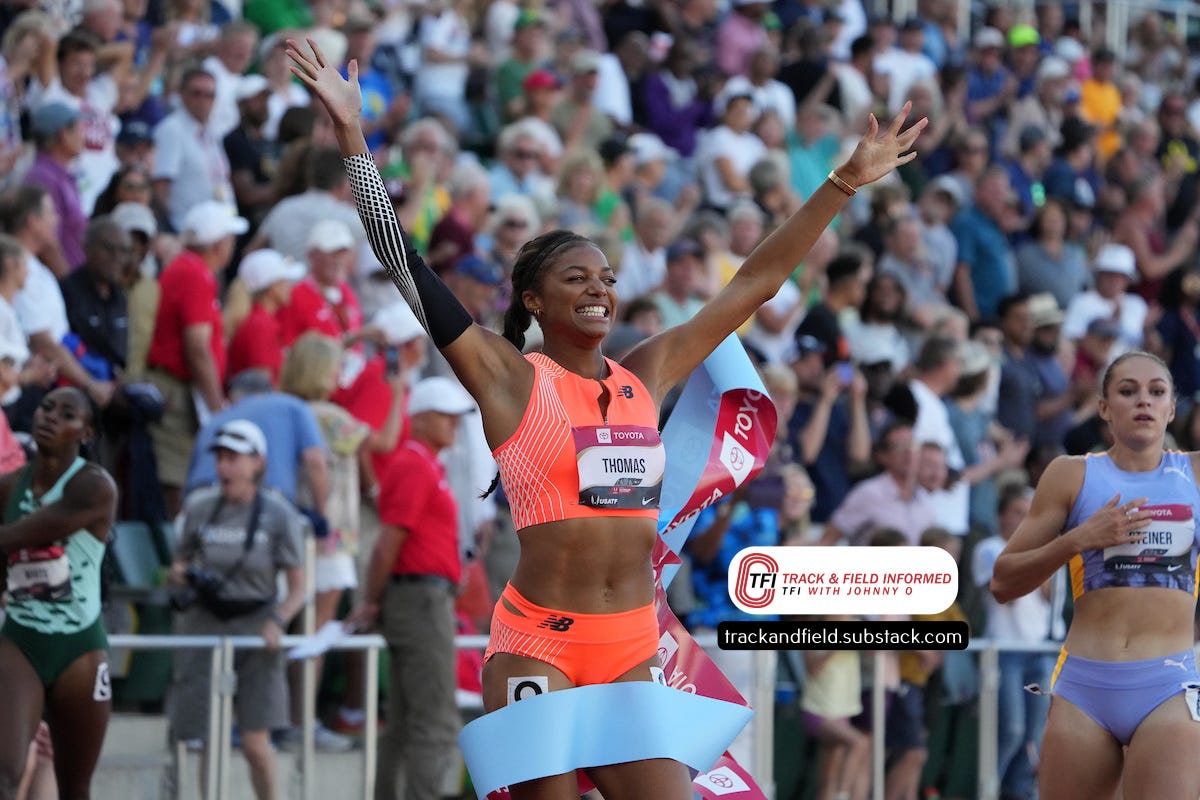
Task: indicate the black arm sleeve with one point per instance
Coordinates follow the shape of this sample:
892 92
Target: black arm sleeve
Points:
435 306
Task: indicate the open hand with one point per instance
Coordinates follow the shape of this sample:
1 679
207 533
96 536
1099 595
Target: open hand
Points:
876 156
342 97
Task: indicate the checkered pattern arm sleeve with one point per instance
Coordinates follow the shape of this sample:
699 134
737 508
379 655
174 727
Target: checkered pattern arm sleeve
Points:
435 306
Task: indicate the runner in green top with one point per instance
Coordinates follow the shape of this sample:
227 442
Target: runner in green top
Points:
53 649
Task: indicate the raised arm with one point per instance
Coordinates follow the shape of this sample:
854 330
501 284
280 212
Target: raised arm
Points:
89 502
491 369
1037 550
665 359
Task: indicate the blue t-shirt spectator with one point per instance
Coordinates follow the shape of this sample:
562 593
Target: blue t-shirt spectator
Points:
984 248
377 98
748 527
828 472
289 426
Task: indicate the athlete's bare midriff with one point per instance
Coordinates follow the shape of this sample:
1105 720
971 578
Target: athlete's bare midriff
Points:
1131 623
593 566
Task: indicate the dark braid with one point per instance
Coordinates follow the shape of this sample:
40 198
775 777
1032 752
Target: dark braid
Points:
527 274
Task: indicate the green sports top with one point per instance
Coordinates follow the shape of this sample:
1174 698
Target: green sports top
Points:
56 588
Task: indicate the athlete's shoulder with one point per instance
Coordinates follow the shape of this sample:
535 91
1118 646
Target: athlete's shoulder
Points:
1063 477
92 481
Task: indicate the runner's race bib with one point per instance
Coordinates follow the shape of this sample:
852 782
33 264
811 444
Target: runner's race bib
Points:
40 574
1166 542
620 466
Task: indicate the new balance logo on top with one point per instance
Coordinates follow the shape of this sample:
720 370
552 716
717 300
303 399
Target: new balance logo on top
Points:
557 623
626 392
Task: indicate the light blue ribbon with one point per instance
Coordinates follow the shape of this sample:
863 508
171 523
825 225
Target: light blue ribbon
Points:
576 728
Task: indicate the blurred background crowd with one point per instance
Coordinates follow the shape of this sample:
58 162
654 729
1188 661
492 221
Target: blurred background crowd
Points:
179 241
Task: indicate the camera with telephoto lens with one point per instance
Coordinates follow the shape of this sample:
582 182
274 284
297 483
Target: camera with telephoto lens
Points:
199 584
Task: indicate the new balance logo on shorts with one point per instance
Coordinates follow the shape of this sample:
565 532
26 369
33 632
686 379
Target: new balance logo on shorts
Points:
556 623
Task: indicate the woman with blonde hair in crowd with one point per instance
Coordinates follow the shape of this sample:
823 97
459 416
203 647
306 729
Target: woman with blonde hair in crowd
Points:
26 50
310 372
515 220
580 179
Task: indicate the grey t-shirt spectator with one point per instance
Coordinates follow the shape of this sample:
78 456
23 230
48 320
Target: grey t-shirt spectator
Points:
1064 276
216 543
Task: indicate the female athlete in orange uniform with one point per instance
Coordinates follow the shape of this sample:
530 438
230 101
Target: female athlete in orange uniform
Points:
575 434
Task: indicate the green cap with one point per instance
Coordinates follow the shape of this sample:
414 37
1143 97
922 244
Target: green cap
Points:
1023 36
527 17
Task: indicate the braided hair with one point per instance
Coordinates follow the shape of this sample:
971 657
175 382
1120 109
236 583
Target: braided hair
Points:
527 273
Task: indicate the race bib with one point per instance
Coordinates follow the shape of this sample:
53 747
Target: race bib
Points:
1166 542
40 574
620 466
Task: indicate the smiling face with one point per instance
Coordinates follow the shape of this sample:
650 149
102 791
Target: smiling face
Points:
1138 399
575 296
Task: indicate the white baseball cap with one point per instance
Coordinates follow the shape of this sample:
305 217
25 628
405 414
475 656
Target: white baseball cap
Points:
988 37
241 436
135 217
251 86
262 268
441 395
330 235
1116 258
211 221
648 147
398 323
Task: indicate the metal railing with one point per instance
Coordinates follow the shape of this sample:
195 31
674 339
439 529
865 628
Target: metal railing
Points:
761 695
223 686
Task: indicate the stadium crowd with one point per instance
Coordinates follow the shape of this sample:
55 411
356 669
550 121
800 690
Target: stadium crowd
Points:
180 242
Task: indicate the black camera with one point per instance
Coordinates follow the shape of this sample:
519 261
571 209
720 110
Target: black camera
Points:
200 584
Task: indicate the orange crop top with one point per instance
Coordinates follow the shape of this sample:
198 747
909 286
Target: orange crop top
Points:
566 460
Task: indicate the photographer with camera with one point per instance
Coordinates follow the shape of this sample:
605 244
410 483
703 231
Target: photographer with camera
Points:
234 538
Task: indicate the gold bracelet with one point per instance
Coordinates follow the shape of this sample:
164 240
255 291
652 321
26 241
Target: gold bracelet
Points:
837 181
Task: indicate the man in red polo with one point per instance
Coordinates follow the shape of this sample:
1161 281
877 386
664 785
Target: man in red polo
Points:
324 301
411 585
187 350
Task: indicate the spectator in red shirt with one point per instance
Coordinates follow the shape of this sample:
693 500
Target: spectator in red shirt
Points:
258 343
187 350
376 394
324 301
411 586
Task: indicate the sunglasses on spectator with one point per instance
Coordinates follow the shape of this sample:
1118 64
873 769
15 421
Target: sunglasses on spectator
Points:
525 154
514 223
